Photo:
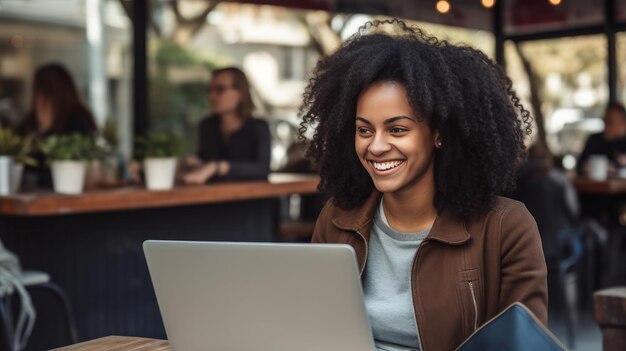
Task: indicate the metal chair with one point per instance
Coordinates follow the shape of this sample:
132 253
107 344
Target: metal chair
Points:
36 280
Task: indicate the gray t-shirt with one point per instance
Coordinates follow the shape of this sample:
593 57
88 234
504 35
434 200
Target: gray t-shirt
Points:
387 285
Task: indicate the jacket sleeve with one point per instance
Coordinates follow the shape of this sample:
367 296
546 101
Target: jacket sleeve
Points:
207 139
321 225
523 266
584 155
203 138
259 168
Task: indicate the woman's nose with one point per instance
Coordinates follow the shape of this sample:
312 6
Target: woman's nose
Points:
379 145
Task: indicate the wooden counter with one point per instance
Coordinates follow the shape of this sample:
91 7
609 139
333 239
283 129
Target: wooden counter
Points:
49 203
91 245
606 187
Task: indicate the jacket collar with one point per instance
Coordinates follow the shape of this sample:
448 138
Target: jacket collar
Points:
446 229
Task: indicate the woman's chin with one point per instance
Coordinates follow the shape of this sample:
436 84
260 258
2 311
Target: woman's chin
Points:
387 186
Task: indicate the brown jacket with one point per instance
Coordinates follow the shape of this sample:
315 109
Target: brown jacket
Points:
464 272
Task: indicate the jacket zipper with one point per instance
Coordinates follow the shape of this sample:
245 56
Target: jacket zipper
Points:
417 327
366 252
352 229
471 286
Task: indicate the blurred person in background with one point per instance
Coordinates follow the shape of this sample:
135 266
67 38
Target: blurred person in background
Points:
56 108
232 143
549 196
610 143
566 236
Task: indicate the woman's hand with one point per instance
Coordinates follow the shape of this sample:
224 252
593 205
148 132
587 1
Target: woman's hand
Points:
202 174
134 170
621 160
192 162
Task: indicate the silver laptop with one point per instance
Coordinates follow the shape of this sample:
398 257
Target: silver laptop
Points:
264 297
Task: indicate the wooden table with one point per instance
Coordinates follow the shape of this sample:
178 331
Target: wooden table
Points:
610 313
119 343
606 187
605 202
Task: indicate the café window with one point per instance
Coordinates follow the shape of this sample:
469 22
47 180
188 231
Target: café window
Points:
621 69
523 16
571 86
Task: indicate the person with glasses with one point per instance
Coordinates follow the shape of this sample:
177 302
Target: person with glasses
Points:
233 145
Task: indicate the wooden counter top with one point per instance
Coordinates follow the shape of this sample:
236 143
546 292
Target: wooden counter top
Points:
50 203
605 187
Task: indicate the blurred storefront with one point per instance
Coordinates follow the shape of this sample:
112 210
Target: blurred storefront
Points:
36 32
567 45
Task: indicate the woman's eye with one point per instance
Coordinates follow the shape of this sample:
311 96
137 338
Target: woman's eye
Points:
362 130
397 130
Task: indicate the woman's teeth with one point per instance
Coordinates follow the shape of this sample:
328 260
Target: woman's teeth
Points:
383 166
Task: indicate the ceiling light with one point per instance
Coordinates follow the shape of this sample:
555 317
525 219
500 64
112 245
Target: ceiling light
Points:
443 6
488 3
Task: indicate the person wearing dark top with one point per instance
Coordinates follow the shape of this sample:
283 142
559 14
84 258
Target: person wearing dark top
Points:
610 143
56 108
233 145
549 196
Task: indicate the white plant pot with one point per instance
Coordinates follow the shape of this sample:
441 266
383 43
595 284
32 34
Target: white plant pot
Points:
6 175
159 172
69 176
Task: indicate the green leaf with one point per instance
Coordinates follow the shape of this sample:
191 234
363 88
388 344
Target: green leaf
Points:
159 144
71 147
16 146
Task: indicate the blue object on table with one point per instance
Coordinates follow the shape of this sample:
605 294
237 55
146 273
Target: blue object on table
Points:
514 329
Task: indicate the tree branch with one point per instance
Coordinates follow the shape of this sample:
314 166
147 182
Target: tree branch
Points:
128 9
534 83
187 28
325 40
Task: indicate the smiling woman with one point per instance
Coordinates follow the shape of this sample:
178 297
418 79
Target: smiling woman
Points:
396 149
415 140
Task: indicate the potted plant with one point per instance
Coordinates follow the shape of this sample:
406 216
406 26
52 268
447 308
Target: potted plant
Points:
159 151
15 152
68 156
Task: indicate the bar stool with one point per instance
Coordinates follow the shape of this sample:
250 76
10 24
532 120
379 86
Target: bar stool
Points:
36 280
